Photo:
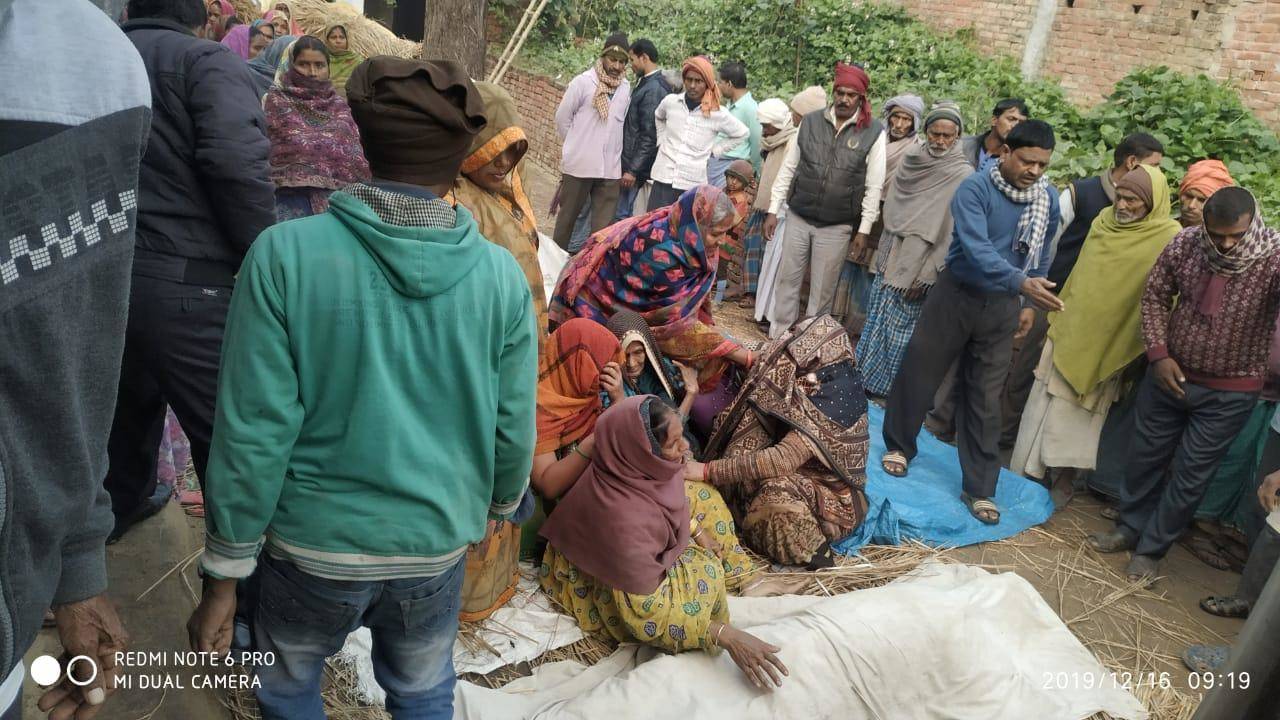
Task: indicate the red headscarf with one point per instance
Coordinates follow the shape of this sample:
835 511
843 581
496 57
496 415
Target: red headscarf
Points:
625 521
702 66
852 76
569 382
1206 176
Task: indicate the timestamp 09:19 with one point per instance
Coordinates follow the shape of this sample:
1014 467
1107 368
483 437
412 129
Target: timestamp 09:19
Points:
1132 680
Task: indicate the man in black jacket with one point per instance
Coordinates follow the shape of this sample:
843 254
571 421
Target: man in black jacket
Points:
640 130
203 197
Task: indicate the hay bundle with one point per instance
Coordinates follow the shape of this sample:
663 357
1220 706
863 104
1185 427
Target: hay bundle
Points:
365 36
247 10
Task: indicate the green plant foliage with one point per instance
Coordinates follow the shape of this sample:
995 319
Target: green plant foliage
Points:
790 44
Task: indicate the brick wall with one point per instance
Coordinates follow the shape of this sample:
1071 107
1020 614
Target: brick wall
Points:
1094 43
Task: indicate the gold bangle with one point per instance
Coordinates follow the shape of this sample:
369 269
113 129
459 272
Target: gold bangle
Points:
695 534
719 630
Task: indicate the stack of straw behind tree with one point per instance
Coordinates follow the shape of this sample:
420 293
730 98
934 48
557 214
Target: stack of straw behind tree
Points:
366 37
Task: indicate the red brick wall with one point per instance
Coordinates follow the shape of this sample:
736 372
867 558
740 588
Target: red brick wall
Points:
1094 43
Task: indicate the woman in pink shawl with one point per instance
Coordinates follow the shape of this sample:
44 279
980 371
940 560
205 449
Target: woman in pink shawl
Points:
219 12
622 558
249 40
315 146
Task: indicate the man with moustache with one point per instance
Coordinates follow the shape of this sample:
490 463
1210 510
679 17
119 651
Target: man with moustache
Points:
692 129
1004 218
831 180
589 122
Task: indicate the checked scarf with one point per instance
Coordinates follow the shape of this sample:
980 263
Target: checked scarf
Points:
1258 243
606 86
1034 222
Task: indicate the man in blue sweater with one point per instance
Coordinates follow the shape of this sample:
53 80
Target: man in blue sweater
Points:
1005 218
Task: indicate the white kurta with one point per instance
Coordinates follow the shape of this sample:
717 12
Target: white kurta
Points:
1059 428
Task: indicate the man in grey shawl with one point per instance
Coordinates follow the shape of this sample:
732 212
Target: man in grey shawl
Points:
913 246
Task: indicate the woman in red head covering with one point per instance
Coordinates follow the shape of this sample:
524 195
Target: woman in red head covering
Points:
622 557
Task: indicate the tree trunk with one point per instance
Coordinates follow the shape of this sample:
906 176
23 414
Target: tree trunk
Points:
455 31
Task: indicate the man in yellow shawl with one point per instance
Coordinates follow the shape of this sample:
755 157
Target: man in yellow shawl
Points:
491 187
1098 335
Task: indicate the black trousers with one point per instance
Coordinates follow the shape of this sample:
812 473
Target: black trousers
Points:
661 195
574 193
977 329
172 347
1189 437
1022 376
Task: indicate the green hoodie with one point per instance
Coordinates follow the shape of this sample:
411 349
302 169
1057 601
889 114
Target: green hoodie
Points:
376 397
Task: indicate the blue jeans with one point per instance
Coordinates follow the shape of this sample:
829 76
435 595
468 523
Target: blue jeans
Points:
626 202
304 619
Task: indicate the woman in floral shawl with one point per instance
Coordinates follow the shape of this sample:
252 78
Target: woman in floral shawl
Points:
793 447
491 186
663 266
315 146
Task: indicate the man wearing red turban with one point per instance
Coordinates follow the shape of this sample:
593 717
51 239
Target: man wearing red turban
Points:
830 180
1203 179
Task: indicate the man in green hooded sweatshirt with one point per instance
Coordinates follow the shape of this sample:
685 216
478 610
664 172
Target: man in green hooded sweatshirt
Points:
375 408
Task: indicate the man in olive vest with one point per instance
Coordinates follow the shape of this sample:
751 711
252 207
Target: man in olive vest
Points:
831 180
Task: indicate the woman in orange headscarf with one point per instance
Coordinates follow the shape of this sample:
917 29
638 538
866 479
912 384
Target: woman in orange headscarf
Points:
1203 179
574 359
491 186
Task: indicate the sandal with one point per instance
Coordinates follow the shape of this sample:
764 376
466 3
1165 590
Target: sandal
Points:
982 508
747 302
1142 569
894 463
1227 606
1205 658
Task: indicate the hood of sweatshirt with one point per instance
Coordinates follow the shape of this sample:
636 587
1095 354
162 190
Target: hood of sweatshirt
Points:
418 262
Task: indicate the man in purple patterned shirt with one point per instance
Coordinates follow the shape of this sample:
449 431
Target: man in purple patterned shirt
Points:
1208 313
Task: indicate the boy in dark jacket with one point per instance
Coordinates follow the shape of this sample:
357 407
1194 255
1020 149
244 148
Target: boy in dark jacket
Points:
203 196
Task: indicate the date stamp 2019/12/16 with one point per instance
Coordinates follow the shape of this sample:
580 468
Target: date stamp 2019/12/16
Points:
1203 681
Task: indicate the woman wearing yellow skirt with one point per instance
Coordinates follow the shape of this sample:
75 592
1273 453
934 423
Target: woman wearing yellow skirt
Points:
637 554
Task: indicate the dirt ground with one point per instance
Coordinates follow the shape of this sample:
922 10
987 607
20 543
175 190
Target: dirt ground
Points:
1129 629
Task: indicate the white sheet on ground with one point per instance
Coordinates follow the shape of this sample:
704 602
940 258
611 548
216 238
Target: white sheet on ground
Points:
552 259
523 629
947 641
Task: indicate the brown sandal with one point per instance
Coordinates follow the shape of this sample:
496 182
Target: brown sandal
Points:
894 463
982 508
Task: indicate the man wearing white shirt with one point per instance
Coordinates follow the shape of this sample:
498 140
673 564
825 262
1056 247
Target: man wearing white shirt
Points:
831 179
687 128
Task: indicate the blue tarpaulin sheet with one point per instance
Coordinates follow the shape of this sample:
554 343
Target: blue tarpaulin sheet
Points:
925 505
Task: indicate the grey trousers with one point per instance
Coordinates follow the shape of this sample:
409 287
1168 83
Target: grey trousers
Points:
574 193
817 252
976 329
1189 437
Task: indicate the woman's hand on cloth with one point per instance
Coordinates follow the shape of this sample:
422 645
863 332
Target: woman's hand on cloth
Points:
756 658
612 383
